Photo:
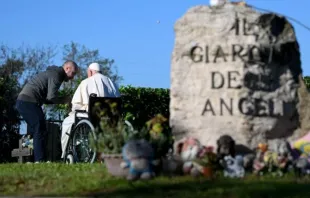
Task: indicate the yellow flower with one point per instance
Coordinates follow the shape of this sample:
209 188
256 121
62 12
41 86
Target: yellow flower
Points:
113 105
157 128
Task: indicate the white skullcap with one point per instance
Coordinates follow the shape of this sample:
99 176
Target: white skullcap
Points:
94 66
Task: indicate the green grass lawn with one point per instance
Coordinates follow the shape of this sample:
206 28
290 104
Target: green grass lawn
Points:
93 180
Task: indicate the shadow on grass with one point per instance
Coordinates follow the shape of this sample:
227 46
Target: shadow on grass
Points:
213 189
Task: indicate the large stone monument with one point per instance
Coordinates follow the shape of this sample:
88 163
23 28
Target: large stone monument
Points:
236 71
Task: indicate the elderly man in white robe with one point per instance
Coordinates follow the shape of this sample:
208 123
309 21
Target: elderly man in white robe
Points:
96 83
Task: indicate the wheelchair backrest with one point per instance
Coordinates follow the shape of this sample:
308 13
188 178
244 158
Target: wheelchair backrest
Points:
110 107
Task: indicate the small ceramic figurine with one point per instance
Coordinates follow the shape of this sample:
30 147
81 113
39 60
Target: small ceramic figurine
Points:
138 156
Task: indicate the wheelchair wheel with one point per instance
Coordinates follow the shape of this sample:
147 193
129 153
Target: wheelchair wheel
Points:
81 144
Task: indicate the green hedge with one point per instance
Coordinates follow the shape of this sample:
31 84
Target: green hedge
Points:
140 104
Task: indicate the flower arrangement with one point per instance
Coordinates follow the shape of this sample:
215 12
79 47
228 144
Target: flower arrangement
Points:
209 159
207 164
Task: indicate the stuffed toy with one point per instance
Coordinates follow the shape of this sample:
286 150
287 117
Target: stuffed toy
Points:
138 156
302 166
283 148
225 146
275 161
189 149
248 160
303 146
233 167
284 156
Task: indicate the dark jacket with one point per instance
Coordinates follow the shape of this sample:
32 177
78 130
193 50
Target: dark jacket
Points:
43 88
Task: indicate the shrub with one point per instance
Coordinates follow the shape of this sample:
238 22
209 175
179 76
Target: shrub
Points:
113 133
9 117
142 104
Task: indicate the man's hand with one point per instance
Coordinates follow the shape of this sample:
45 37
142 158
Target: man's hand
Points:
60 100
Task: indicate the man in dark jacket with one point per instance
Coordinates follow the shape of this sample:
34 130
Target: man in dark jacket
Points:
43 89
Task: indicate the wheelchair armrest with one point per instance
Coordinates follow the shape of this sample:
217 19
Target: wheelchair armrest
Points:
79 111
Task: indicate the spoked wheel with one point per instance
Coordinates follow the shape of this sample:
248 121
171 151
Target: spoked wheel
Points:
81 142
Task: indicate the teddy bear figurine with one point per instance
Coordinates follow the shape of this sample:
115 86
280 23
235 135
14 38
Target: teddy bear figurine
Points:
138 156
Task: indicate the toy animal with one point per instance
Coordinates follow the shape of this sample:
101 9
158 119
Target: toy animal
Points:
285 155
283 148
248 160
233 167
225 146
303 144
275 161
138 156
302 166
303 147
189 149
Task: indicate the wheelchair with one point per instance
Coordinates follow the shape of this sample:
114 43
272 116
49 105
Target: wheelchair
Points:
78 148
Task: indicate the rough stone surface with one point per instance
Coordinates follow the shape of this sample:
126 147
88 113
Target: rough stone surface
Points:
236 71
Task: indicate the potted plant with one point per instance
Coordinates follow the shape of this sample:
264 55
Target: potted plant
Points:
112 134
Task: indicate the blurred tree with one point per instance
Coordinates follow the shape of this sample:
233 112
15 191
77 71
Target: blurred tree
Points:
307 81
9 118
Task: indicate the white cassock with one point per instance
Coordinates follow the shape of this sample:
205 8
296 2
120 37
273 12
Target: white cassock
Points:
97 84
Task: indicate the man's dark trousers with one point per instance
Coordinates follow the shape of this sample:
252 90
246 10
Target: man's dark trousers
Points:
33 115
